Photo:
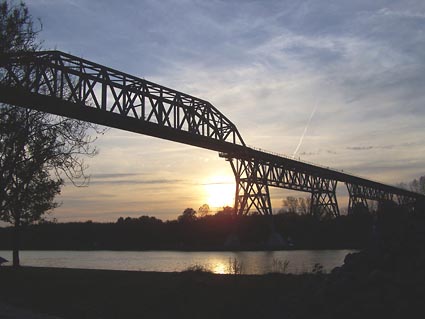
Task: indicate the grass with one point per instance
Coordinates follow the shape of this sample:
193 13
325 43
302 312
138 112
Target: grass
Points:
75 293
280 266
197 269
235 266
78 293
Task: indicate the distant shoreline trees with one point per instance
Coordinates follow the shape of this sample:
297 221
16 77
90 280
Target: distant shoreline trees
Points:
210 232
416 185
300 205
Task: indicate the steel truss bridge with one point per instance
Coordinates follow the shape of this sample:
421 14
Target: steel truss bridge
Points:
62 84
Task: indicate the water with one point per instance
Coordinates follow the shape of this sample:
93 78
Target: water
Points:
253 262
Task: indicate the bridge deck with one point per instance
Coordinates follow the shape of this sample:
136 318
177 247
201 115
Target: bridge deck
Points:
62 84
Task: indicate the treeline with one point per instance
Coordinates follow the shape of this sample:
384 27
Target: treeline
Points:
189 232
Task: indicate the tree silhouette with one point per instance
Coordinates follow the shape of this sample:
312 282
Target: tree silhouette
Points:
36 149
226 211
294 205
188 215
291 204
204 210
418 186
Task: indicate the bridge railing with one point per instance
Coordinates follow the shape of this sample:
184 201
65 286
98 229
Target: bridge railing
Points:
308 162
322 171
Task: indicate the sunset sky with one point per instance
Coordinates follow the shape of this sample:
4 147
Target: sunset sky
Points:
338 83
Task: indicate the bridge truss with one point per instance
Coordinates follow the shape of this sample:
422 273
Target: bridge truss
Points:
62 84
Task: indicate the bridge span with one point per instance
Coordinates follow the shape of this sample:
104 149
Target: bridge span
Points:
62 84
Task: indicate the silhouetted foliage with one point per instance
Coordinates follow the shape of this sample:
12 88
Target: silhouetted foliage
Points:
36 149
201 233
17 33
382 281
188 215
300 205
416 185
226 211
204 210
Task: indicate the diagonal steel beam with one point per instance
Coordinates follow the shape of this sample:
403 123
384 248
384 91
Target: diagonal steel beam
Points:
62 84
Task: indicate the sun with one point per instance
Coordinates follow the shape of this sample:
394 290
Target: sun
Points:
220 192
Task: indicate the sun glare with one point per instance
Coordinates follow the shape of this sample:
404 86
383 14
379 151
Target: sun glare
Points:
220 193
219 267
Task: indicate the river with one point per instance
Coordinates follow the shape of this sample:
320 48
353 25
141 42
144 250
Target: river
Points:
249 262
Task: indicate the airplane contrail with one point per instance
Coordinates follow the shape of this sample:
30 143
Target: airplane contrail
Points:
305 129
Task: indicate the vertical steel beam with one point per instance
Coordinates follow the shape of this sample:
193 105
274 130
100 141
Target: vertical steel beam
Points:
359 194
356 198
324 203
407 202
252 190
253 178
356 203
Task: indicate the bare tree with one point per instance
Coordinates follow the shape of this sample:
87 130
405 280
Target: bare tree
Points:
37 150
204 210
304 204
290 203
418 185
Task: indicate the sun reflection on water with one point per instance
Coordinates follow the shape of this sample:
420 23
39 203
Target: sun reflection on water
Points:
220 268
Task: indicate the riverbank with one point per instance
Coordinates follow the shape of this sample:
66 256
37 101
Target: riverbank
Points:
386 280
259 262
76 293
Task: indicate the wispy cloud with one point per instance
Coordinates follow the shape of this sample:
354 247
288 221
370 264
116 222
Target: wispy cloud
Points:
136 182
360 148
112 175
305 130
263 64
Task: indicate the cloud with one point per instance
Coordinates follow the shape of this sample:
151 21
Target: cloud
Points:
137 182
112 175
387 146
308 153
402 14
216 183
360 148
264 65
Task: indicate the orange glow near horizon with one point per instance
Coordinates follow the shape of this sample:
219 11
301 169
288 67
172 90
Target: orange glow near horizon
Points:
220 192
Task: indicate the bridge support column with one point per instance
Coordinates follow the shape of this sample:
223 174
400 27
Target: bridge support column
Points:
359 194
252 190
323 200
407 202
356 198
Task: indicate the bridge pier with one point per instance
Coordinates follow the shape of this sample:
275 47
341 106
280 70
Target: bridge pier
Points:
356 199
408 203
359 194
324 201
253 178
252 190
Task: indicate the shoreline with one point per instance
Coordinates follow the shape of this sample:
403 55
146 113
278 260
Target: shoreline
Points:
257 262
